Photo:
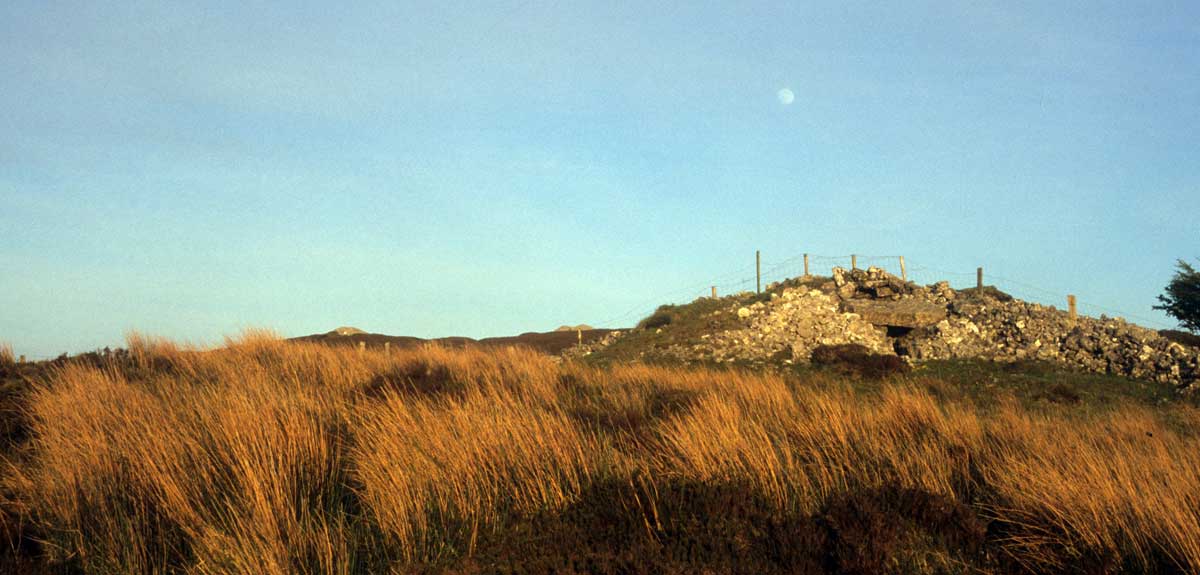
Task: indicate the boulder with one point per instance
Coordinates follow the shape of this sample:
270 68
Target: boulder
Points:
347 331
910 313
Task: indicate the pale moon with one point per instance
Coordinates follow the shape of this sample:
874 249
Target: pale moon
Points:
785 96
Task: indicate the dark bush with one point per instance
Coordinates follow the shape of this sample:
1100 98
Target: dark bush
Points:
1061 393
856 359
1181 300
1181 337
869 530
659 319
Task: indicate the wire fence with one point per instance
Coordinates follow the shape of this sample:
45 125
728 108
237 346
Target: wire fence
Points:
747 279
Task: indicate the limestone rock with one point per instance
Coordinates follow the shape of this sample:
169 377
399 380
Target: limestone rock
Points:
909 313
856 306
345 330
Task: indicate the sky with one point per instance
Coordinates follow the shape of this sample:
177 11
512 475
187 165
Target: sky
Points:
190 170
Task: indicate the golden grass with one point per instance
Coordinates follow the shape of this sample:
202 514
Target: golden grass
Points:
6 354
275 457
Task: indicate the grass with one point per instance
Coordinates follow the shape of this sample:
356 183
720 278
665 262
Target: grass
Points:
277 457
684 324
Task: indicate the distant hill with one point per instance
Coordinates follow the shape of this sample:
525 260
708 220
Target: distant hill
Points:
549 342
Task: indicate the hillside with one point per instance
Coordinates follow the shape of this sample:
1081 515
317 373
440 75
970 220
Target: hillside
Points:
290 457
785 324
830 425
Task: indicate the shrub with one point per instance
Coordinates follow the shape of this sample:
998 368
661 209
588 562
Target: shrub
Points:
1061 393
856 359
1182 298
662 317
1181 337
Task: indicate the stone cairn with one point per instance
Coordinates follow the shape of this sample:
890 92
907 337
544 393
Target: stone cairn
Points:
889 316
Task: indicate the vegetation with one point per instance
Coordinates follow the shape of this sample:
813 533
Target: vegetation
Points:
1181 337
278 457
686 324
857 361
1182 297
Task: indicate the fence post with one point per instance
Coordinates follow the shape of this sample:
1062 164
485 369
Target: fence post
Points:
579 334
757 271
1071 310
805 265
387 347
362 347
853 261
979 278
714 292
21 359
903 272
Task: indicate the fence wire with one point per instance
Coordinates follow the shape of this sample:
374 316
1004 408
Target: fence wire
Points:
777 270
744 279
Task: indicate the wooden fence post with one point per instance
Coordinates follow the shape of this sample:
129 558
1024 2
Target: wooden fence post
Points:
1071 310
714 292
903 272
387 347
979 278
805 265
21 359
757 271
362 347
579 334
853 261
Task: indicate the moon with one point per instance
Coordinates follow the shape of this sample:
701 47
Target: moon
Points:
785 96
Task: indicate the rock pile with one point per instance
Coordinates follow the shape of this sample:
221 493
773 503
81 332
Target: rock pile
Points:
586 349
871 283
988 327
790 326
889 316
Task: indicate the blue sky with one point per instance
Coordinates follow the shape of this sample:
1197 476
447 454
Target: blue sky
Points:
487 169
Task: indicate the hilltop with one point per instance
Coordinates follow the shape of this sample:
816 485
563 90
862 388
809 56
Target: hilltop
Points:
880 314
993 436
869 312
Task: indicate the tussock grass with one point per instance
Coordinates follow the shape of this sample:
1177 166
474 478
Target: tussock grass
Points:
269 456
